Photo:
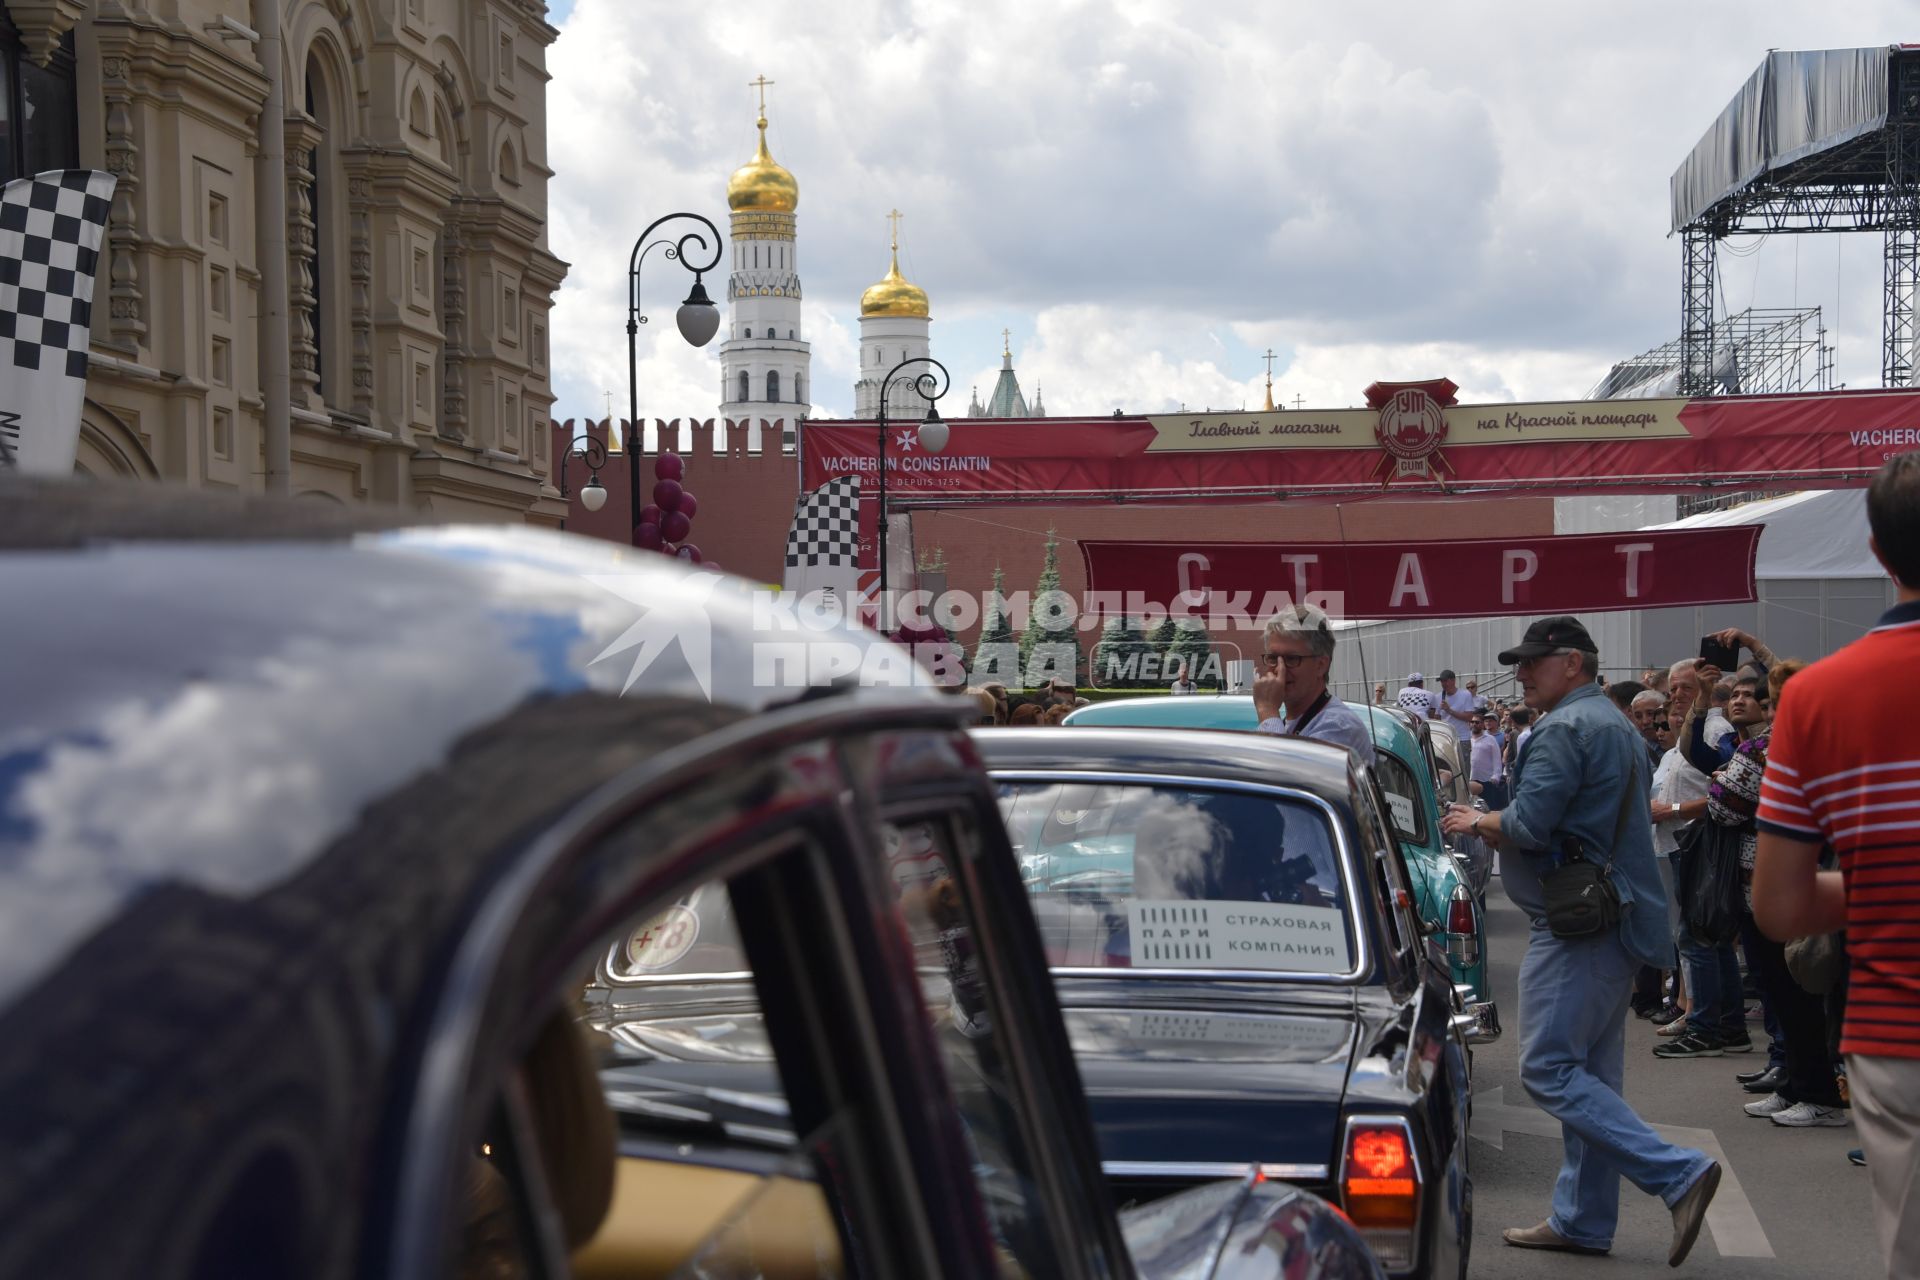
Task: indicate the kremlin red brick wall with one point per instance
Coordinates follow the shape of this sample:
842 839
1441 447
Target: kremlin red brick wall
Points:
745 499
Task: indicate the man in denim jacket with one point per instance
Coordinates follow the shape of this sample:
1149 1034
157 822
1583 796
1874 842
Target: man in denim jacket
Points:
1568 783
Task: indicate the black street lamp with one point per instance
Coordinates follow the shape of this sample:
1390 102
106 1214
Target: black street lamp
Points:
698 320
593 494
932 436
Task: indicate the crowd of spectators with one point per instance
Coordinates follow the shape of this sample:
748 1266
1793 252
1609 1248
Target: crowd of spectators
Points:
1048 705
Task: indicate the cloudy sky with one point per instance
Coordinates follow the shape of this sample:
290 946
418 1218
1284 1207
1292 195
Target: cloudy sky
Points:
1151 194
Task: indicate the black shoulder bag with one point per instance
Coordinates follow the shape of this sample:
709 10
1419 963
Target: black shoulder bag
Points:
1581 898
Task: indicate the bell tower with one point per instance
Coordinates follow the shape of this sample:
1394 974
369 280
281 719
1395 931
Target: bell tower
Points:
764 361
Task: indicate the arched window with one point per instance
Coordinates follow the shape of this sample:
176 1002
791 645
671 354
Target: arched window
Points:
746 387
789 335
315 303
799 388
749 331
45 134
773 385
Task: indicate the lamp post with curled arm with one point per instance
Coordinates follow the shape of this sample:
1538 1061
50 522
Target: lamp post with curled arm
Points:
931 436
698 320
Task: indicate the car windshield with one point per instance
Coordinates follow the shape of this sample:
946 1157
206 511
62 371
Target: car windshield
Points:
1405 806
1146 876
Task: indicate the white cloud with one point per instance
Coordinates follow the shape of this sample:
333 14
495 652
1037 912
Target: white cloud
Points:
1474 183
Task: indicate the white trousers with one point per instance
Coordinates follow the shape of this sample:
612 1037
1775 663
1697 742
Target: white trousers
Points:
1886 1106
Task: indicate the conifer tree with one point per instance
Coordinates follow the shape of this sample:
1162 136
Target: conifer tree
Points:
1050 644
1119 658
996 655
1194 647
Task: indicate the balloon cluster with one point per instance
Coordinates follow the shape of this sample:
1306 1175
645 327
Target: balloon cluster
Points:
668 519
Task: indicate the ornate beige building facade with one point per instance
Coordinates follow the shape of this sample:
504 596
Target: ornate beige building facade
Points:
418 279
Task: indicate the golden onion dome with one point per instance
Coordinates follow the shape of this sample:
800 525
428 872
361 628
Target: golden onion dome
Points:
760 185
895 295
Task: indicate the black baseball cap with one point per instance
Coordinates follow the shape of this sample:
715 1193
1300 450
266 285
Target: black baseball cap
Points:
1549 635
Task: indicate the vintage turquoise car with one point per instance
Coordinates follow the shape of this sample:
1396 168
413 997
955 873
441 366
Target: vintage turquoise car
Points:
1406 769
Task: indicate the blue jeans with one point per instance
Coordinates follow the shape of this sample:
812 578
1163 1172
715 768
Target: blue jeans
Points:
1750 940
1713 985
1573 1025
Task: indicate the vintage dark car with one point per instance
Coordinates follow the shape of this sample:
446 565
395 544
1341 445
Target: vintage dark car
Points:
1449 873
315 826
1245 979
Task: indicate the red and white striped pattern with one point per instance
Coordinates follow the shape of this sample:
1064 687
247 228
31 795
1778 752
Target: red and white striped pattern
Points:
1844 767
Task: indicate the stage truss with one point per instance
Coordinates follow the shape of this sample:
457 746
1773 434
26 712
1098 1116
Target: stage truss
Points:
1868 182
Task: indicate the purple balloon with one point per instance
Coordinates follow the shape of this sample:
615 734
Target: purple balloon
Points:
675 527
650 514
689 552
667 494
646 534
689 505
668 466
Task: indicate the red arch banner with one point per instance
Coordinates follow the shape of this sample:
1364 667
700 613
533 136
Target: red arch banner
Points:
1412 442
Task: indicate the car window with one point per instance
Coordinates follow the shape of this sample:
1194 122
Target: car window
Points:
1150 876
924 857
1406 806
687 1056
1389 869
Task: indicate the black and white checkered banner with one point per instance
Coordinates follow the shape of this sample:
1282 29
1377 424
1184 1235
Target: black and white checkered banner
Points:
50 230
823 546
826 526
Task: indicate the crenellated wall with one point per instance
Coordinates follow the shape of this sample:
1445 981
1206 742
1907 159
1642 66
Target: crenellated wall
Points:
745 485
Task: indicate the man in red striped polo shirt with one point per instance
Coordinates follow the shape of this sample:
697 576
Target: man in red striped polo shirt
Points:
1844 769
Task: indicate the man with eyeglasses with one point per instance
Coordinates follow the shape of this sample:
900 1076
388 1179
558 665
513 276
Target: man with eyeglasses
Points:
1580 786
1290 693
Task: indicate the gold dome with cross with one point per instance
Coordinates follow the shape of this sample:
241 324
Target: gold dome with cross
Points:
895 295
761 185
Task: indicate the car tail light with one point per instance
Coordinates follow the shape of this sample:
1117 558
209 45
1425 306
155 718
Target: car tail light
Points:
1463 919
1460 914
1380 1187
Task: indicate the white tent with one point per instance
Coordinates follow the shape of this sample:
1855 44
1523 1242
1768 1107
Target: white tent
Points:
1819 534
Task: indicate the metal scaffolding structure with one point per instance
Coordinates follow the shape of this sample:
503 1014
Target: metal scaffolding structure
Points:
1760 351
1815 143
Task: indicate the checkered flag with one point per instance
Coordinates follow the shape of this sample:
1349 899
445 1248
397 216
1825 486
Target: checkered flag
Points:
826 526
50 230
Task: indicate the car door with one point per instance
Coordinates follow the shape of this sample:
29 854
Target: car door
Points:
1435 1086
916 1146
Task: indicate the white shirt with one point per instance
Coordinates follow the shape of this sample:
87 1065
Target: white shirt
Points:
1486 758
1337 723
1520 743
1182 686
1417 700
1456 707
1674 782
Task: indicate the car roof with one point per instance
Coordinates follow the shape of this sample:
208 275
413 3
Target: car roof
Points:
1391 727
1262 759
203 692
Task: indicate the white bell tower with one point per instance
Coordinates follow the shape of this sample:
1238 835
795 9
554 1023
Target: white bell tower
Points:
894 324
765 362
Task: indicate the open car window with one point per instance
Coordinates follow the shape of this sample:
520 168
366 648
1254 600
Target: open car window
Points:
1406 806
1164 877
690 1073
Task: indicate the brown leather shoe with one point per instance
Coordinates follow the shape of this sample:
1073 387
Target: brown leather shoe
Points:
1689 1211
1545 1237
